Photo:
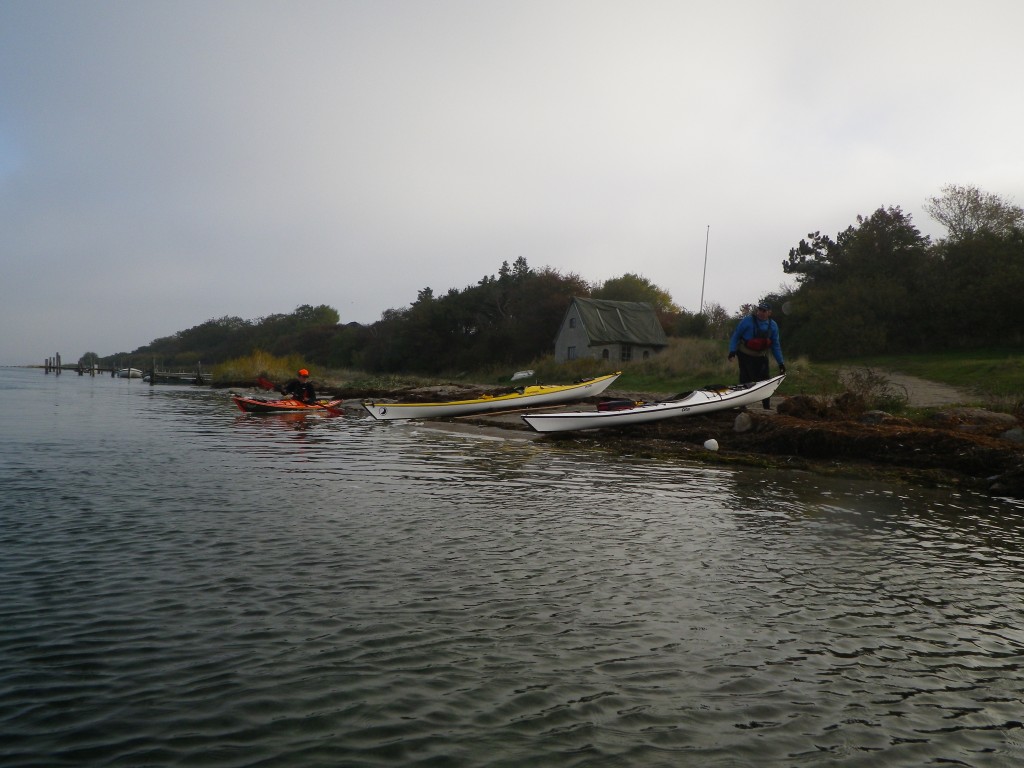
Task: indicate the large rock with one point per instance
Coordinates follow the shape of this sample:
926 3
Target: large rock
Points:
976 417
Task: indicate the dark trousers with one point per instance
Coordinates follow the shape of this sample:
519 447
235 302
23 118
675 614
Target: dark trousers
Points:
754 368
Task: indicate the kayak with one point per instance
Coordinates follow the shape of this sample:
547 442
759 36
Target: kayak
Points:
700 401
288 405
522 397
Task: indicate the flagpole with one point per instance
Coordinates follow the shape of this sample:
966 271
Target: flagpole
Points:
707 237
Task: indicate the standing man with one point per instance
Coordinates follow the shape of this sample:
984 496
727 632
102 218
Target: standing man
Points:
754 336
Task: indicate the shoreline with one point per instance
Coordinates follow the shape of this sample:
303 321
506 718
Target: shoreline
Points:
956 448
944 446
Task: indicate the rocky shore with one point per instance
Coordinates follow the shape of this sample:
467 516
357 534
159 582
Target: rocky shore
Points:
953 446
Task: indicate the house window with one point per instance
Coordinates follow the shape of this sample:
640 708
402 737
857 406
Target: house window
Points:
572 322
627 353
570 353
604 354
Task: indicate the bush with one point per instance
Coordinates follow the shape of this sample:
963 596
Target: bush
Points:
876 390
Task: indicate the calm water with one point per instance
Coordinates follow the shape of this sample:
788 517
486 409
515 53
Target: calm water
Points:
185 585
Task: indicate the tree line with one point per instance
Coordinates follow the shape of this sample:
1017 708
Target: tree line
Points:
505 319
877 287
881 287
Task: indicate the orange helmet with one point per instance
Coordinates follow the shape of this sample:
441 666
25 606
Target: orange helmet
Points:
303 372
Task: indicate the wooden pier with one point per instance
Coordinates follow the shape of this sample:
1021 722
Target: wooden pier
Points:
197 376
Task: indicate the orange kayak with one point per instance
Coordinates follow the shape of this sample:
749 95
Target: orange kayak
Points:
255 405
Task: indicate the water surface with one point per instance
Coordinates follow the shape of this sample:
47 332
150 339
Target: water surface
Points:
183 584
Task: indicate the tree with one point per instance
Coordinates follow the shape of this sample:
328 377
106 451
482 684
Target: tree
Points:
306 315
815 260
982 284
863 292
713 323
965 211
632 287
884 242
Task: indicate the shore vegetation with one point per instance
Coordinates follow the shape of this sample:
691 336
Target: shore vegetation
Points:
876 296
992 378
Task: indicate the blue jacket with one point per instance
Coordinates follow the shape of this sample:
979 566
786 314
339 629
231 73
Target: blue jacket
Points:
745 329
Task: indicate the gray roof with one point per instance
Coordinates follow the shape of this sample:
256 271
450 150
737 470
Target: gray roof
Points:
620 322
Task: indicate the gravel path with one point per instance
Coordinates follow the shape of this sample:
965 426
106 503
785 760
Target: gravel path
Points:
922 393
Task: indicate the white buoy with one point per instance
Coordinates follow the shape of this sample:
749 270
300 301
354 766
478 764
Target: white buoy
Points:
711 445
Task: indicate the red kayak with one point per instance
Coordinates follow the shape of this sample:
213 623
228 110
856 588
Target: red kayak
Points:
255 405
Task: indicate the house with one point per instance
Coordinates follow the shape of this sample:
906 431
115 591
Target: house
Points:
618 331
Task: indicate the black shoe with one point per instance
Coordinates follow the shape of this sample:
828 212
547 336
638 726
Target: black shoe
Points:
767 404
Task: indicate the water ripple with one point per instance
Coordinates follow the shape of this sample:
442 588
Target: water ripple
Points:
184 585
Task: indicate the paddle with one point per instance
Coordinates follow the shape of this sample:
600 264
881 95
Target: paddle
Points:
337 410
264 383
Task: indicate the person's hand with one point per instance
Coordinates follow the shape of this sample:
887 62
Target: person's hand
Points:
782 369
732 355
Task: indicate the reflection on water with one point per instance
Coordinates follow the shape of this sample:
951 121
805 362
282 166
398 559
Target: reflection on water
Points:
184 584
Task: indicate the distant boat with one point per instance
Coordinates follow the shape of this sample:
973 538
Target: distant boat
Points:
129 373
181 377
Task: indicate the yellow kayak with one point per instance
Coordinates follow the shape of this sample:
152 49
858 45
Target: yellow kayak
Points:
524 397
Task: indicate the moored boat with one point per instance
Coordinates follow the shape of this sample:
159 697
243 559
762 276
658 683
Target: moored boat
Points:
129 373
288 405
522 397
181 377
700 401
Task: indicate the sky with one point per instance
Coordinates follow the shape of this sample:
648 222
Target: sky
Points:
168 162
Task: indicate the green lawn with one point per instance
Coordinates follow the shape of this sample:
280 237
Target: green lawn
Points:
996 376
992 373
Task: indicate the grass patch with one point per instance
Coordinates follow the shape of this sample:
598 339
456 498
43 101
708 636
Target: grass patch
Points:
995 373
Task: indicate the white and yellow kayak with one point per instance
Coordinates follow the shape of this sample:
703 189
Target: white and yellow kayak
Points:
693 403
524 397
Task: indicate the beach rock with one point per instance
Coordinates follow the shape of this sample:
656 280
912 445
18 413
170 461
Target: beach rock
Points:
743 423
882 417
843 407
803 407
1009 483
978 417
1015 435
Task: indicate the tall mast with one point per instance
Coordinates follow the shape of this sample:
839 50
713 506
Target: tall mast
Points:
707 237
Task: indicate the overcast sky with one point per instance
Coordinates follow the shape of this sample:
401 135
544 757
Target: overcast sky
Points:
165 163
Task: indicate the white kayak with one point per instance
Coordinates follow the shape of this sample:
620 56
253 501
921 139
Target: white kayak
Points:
693 403
524 397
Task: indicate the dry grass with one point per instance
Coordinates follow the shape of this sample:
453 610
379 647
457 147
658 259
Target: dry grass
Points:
261 364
